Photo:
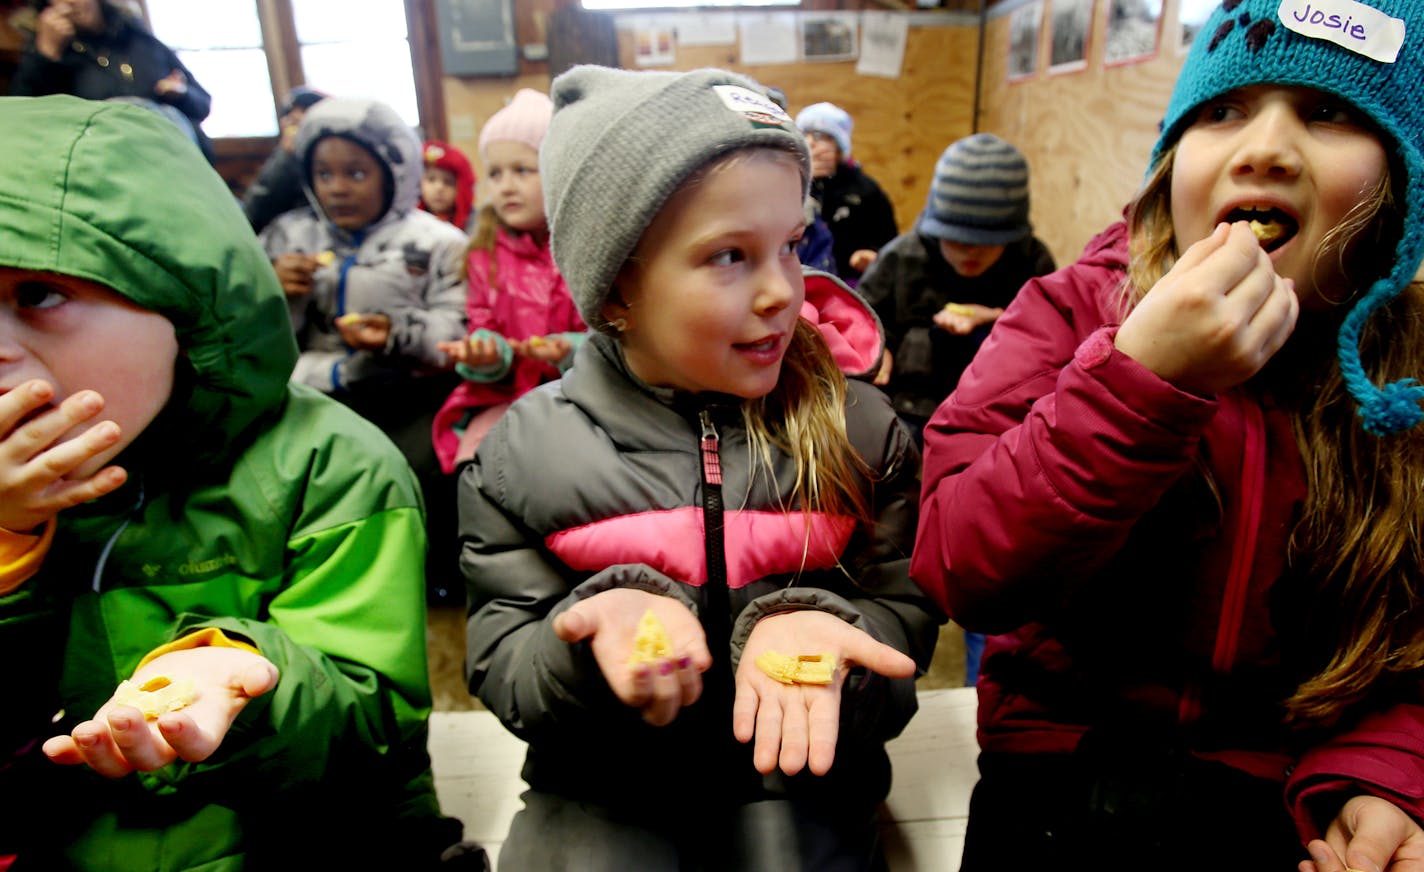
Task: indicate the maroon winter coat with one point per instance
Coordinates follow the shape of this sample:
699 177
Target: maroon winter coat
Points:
1063 508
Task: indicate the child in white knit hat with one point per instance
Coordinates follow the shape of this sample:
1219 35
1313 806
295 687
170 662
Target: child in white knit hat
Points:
1181 481
853 205
523 325
687 558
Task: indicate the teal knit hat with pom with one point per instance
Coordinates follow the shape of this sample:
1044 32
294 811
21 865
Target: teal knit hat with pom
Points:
1370 54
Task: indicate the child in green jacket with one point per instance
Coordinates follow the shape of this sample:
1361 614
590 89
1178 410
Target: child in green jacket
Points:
211 611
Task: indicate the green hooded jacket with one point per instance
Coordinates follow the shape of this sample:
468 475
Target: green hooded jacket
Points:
253 505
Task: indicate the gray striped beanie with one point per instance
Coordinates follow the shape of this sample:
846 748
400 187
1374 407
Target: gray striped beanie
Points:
979 195
622 141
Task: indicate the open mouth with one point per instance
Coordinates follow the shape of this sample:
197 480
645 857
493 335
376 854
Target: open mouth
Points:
1272 226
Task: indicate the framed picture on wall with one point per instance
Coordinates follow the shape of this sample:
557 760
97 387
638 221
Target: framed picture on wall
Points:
1025 22
1191 17
1070 22
477 37
1132 32
828 36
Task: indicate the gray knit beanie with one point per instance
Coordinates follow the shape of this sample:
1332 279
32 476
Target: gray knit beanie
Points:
621 142
979 195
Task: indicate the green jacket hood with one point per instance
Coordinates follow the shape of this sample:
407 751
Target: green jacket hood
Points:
116 194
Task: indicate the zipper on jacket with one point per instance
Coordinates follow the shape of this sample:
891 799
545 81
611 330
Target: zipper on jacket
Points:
716 592
1243 557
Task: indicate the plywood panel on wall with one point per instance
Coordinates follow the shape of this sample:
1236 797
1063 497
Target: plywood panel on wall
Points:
1087 134
901 125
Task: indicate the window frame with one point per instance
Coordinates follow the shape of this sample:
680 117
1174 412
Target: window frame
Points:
284 67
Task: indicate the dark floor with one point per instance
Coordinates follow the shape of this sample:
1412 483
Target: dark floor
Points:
445 635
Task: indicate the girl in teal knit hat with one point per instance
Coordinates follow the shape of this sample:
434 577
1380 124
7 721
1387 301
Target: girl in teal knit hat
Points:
1181 481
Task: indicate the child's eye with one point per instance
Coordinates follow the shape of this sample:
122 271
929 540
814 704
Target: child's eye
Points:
36 295
1217 112
358 175
726 257
1333 113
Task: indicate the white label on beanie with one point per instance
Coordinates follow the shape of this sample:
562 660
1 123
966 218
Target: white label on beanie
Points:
1361 29
749 102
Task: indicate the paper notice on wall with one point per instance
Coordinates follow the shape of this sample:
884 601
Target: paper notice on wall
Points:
768 38
708 28
882 44
653 45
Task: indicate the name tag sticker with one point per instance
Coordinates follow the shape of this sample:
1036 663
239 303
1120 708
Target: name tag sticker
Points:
1361 29
750 104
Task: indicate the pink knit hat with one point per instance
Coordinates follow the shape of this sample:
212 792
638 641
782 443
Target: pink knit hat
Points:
525 120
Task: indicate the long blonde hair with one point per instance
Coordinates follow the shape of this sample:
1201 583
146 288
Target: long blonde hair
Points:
1358 545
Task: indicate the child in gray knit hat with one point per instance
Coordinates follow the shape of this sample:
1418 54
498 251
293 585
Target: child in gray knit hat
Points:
939 288
1181 481
686 558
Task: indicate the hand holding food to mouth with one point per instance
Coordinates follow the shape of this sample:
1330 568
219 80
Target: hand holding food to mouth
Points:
1216 317
41 443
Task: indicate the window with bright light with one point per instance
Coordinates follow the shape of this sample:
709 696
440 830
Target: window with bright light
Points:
221 43
680 4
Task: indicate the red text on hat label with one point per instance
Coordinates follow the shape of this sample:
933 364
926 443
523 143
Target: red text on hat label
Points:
1360 28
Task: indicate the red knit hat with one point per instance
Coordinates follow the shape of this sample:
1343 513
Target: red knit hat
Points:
447 157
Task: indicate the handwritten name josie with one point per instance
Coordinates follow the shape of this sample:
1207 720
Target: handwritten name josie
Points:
1331 21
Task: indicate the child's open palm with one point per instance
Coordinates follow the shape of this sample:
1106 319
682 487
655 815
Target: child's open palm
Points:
549 349
1215 318
798 724
34 462
610 619
119 740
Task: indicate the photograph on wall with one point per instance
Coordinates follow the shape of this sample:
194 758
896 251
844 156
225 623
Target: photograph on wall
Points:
1191 17
828 37
1070 22
1024 24
1132 31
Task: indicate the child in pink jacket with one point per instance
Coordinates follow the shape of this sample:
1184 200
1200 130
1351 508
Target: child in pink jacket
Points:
523 324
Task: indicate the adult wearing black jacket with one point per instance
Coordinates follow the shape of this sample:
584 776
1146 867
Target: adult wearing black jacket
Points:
96 50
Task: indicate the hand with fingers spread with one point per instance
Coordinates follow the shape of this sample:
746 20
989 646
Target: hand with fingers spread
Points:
550 349
1371 834
41 446
796 724
119 740
610 621
474 351
1216 317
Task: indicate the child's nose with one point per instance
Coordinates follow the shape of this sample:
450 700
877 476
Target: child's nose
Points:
777 287
1270 142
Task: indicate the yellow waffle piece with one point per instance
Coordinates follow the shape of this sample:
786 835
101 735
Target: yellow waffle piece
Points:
350 319
1266 232
801 669
958 309
651 643
156 696
326 258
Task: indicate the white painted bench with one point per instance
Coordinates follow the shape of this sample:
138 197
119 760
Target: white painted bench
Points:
477 777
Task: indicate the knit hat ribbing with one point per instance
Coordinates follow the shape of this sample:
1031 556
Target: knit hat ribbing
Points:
525 119
979 195
830 119
1246 42
621 142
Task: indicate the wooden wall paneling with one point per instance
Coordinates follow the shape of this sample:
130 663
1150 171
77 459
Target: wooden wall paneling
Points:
1087 134
901 125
